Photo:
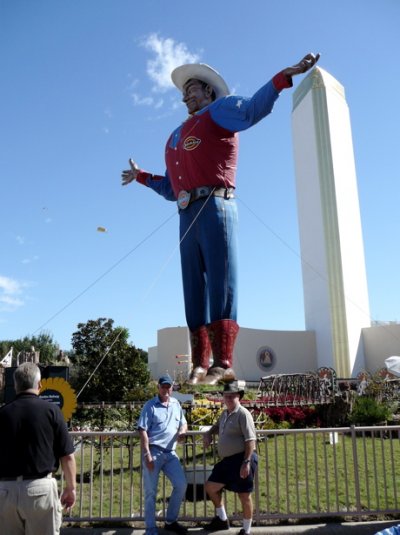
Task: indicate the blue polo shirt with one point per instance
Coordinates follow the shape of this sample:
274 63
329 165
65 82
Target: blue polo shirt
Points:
162 422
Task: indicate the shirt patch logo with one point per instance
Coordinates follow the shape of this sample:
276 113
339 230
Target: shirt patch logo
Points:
191 143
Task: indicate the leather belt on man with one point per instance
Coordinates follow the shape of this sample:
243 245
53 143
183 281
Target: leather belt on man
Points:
187 197
164 450
25 478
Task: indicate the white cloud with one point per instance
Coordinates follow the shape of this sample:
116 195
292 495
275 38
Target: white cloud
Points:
142 101
168 55
147 101
20 240
29 260
14 302
9 286
9 290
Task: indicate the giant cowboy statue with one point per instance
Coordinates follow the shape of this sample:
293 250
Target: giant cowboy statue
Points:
201 160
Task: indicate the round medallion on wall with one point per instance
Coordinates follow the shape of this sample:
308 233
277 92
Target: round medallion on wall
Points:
266 358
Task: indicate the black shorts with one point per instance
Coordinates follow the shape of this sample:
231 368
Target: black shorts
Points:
227 472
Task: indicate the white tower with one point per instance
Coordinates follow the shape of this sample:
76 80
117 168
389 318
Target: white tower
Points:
334 279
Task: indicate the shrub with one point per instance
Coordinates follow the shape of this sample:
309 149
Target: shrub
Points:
367 411
200 416
296 417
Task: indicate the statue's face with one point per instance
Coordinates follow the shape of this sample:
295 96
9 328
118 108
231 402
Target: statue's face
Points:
195 95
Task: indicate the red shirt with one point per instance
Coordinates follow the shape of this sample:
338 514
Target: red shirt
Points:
201 153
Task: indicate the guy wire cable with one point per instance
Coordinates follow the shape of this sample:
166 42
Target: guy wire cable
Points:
285 243
299 256
150 287
99 363
179 243
105 273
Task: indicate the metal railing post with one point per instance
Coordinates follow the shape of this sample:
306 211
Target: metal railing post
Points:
355 465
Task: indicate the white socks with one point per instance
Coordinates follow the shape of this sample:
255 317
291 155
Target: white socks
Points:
221 513
247 524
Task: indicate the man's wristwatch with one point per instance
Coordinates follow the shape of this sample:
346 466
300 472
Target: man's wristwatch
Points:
246 461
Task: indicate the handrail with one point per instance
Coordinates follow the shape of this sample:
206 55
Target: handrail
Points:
302 473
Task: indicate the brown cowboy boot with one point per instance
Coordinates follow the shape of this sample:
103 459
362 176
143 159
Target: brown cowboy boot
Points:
222 334
201 351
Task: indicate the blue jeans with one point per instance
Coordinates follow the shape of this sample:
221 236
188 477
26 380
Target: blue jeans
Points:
209 260
167 462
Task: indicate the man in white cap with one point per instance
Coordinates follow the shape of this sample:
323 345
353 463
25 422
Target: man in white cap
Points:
201 159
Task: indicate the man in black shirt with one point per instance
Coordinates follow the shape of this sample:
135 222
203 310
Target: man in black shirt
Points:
34 441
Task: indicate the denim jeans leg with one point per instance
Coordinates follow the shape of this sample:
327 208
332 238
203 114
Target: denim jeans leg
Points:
150 479
208 232
174 472
192 267
219 245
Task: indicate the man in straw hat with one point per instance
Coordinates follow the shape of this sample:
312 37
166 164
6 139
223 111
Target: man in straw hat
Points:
236 448
201 160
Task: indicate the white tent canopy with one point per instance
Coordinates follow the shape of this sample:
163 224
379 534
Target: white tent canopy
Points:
393 365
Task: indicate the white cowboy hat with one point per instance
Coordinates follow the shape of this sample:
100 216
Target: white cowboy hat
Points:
203 72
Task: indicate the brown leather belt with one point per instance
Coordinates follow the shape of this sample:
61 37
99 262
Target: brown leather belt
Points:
25 478
205 191
187 197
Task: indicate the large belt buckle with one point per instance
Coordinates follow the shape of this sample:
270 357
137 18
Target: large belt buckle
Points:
183 199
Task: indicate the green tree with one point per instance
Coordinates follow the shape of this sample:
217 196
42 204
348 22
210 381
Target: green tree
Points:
43 342
105 366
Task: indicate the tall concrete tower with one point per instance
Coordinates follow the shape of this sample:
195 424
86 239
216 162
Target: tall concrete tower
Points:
333 266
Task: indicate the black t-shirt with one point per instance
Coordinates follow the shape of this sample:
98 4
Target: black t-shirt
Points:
33 436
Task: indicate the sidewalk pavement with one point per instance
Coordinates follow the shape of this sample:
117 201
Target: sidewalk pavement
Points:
346 528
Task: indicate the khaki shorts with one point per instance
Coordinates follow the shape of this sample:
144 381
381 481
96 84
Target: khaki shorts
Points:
30 507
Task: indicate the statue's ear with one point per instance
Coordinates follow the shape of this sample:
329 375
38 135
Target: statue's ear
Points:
208 90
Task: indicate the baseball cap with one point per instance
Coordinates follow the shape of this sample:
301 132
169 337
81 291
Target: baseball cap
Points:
165 380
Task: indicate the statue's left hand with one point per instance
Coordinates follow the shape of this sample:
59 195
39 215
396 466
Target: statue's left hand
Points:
303 66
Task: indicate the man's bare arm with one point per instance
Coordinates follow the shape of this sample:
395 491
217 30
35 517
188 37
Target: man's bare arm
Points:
144 442
68 496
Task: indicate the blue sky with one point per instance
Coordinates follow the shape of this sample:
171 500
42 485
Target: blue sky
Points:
85 86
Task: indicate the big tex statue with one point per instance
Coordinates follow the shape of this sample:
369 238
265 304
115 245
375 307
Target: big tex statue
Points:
201 160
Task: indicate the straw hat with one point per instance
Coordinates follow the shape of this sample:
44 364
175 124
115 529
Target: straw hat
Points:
233 387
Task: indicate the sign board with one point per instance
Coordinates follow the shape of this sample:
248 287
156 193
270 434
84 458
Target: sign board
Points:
58 390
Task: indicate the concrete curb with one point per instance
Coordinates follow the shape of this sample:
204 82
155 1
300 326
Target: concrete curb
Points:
346 528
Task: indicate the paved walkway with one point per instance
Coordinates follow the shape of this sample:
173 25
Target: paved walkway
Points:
347 528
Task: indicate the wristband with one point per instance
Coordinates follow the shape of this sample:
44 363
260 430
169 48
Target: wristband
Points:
246 461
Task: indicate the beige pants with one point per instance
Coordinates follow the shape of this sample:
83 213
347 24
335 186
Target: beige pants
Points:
30 507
